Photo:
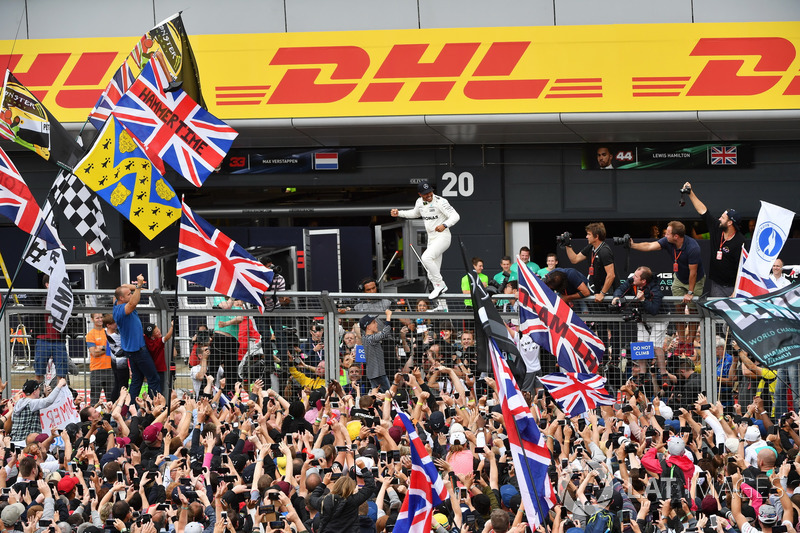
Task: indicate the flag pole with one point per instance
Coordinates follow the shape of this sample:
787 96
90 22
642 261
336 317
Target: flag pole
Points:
542 516
491 358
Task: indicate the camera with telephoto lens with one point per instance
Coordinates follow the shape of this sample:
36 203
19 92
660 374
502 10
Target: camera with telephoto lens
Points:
497 288
625 241
631 312
565 239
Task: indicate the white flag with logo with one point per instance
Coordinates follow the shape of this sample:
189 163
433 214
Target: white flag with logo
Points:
771 232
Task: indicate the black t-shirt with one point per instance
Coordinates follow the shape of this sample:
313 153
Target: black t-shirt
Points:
723 267
597 267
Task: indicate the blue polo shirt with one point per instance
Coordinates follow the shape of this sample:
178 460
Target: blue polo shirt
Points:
130 329
688 254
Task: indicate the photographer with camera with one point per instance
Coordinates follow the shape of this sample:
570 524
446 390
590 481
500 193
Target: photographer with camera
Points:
726 246
688 275
568 283
645 293
602 276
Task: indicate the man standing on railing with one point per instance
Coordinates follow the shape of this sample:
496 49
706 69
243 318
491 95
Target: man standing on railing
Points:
439 217
132 338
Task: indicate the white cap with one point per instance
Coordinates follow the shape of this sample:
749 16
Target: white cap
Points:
752 434
665 411
457 435
676 445
193 527
368 464
732 444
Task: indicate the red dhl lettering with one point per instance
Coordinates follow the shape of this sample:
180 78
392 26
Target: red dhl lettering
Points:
720 77
92 69
404 63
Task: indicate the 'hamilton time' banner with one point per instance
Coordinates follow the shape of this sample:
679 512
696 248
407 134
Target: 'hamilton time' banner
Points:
626 156
766 326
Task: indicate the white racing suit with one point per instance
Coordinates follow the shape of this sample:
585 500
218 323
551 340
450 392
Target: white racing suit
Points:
436 212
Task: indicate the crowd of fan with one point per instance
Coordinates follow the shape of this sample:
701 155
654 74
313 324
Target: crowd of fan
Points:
336 458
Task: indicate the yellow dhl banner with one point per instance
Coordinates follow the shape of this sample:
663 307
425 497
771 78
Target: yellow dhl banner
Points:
644 67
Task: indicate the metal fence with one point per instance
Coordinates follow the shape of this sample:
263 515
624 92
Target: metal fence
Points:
423 334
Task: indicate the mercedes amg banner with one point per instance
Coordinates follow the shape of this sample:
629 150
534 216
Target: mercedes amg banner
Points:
767 326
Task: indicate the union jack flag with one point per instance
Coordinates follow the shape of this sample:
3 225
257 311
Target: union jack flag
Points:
173 127
553 325
426 489
576 393
18 204
723 155
118 86
528 445
749 284
210 258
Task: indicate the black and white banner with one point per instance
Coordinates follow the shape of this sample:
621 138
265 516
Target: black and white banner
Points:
59 294
767 326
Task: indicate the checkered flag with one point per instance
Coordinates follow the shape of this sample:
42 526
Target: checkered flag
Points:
82 208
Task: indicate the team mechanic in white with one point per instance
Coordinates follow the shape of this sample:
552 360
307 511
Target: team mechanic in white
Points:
439 217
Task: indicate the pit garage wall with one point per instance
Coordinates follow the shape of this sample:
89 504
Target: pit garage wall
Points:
490 186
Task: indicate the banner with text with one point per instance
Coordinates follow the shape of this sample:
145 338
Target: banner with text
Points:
60 413
629 156
448 71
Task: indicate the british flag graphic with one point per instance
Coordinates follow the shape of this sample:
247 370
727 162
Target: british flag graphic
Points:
18 204
425 489
118 86
172 127
723 155
553 325
210 258
576 393
528 445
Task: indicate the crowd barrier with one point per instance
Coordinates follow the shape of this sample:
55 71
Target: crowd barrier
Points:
443 322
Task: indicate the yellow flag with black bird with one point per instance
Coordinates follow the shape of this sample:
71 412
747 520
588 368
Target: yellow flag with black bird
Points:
117 169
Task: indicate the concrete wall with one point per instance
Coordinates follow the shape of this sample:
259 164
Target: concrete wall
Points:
40 19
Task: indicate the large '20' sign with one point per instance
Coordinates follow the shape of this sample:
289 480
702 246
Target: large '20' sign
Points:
458 185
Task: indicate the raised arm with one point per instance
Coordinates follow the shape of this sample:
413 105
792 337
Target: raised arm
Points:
136 295
699 206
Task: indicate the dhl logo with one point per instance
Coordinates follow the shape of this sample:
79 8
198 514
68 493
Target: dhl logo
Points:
659 67
71 80
724 77
496 75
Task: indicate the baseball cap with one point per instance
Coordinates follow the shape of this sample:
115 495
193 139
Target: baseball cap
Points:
12 513
193 527
752 434
41 437
280 464
30 386
122 441
365 321
732 444
735 217
767 514
111 455
148 329
436 421
151 433
369 462
666 411
457 435
676 445
424 187
66 484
